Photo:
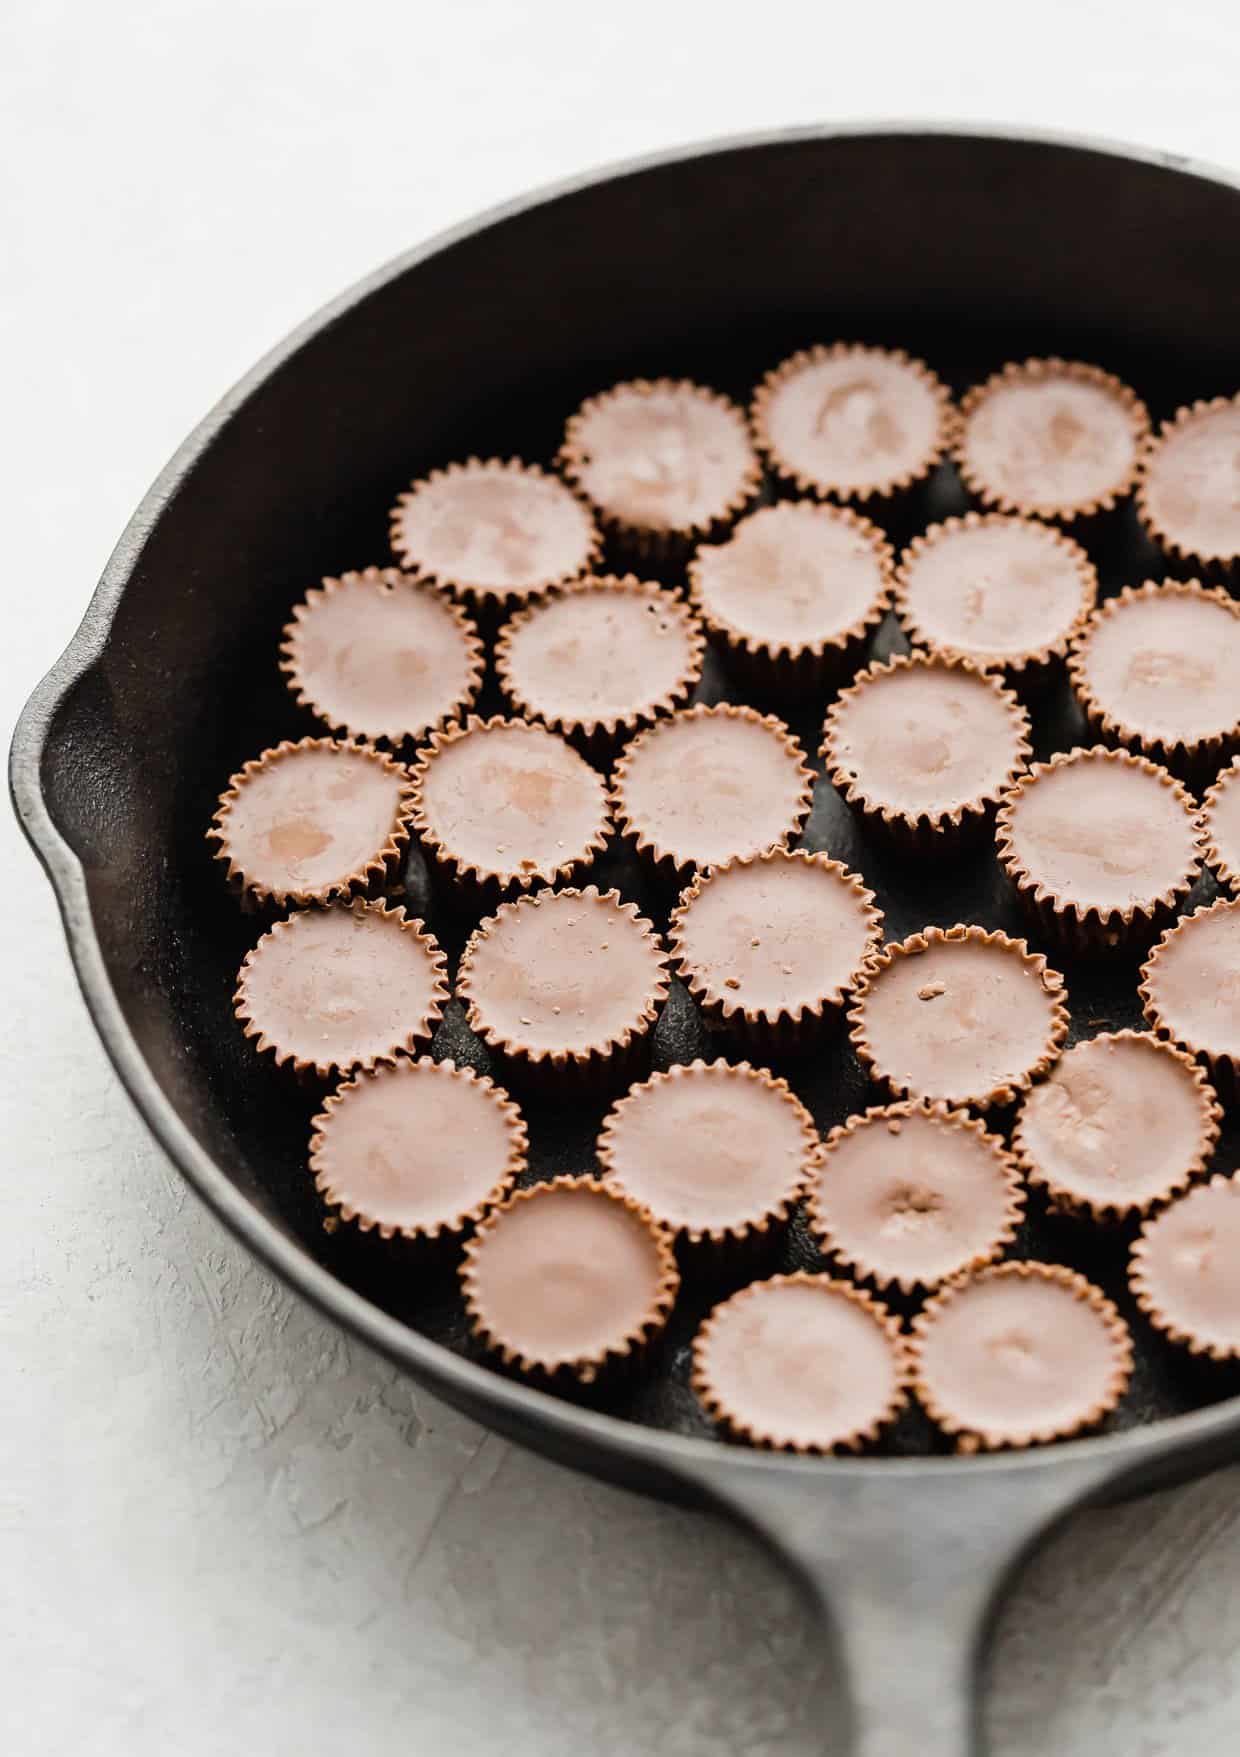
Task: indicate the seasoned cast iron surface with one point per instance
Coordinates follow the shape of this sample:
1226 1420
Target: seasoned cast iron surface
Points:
270 1113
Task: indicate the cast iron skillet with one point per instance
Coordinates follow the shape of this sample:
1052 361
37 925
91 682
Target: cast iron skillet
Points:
969 249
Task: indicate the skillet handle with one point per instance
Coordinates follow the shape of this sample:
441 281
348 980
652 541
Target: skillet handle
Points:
908 1567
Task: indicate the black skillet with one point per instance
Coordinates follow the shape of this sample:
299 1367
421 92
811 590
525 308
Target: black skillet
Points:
968 249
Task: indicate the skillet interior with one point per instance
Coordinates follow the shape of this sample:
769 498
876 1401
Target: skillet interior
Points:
969 252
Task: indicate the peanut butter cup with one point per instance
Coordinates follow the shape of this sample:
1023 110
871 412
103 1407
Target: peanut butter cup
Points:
565 983
494 532
1103 846
1158 669
847 422
569 1279
771 944
313 822
418 1149
959 1015
1122 1121
794 593
1183 1269
1053 438
664 462
1220 818
381 654
801 1363
909 1194
1018 1354
600 659
717 1151
332 989
1189 494
711 784
923 747
1190 988
504 805
1008 593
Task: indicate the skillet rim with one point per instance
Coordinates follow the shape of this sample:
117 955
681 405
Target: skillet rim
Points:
643 1456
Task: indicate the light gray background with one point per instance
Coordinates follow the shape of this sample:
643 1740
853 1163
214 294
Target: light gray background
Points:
222 1525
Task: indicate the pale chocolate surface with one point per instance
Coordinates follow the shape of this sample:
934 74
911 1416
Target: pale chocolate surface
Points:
855 421
958 1020
662 457
340 986
799 1363
703 788
709 1148
1013 1356
384 656
1118 1122
415 1146
1192 483
924 738
566 1275
995 591
494 530
776 935
1187 1265
562 972
1051 441
312 818
793 575
1222 819
1103 834
1167 665
1193 981
604 653
913 1196
513 801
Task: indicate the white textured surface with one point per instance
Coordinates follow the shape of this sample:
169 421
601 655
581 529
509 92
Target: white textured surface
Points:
224 1527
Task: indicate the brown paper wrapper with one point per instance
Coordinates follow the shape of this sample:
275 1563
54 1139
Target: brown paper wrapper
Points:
940 834
343 1203
1221 852
484 889
623 1357
796 668
1089 931
984 1099
422 1022
739 1426
667 864
617 1055
865 1263
662 543
890 497
1195 761
1202 1197
760 1030
1082 516
1031 672
758 1234
1092 1411
370 878
384 583
1223 1066
599 737
1184 558
577 556
1069 1200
